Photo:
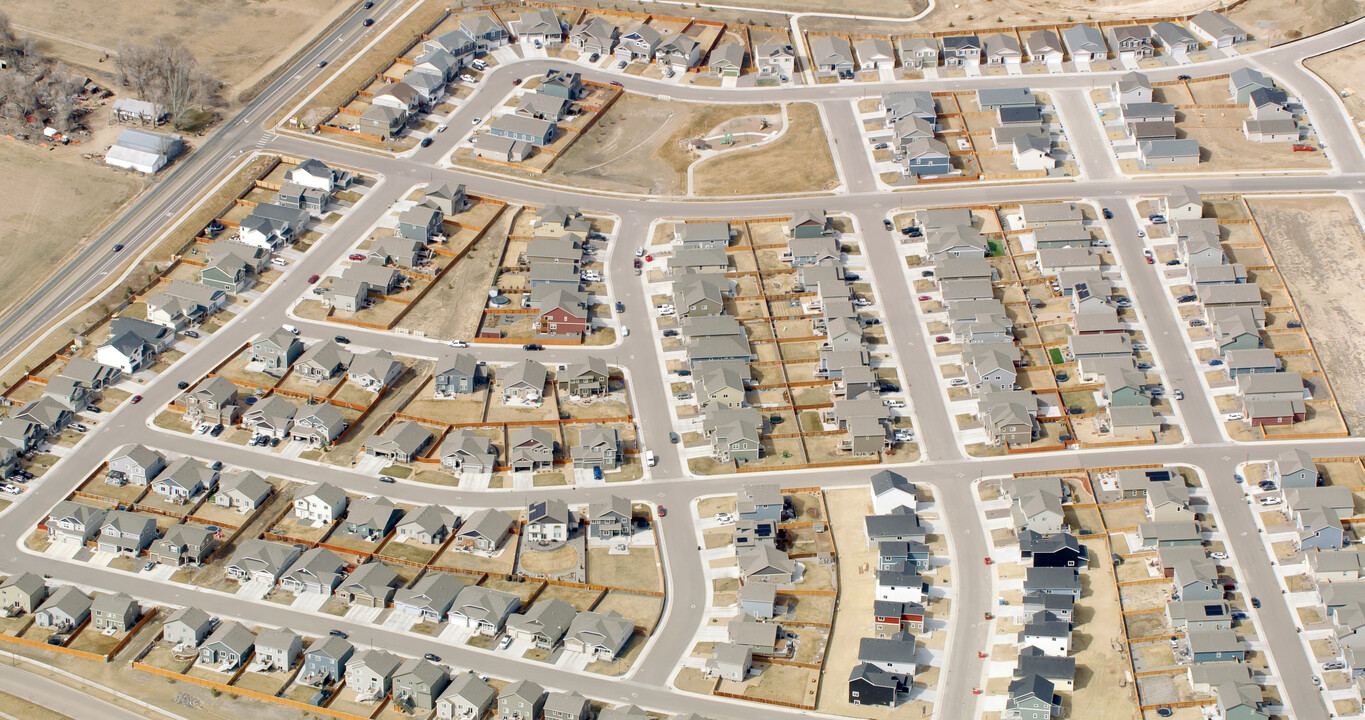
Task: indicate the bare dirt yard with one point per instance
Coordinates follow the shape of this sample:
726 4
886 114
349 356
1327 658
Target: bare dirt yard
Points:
52 203
1341 70
262 31
1325 284
798 161
640 144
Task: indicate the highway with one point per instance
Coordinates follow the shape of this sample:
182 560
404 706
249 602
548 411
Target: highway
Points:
943 467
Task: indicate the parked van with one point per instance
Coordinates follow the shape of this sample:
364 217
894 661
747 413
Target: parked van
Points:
650 458
293 330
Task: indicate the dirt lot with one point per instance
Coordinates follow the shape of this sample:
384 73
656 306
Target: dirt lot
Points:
799 161
1324 285
1339 68
263 30
1098 667
451 309
639 144
54 204
637 571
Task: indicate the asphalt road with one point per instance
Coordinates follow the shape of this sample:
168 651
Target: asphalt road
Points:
943 467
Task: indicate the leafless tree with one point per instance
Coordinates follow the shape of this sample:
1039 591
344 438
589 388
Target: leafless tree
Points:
8 40
166 73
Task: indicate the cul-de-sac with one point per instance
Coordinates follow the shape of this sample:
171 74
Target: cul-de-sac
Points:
660 360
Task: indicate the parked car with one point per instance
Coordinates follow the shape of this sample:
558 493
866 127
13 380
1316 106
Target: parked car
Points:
312 279
135 399
1178 394
888 225
342 339
880 146
923 298
958 382
941 339
516 81
926 273
1187 298
475 120
1294 325
426 142
673 438
387 479
1215 362
620 306
597 473
593 57
432 657
505 642
216 431
1218 555
356 256
684 373
339 633
1172 262
1108 214
663 511
531 346
182 385
458 344
1196 323
670 333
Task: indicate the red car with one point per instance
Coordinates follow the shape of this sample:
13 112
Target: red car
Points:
1151 260
357 256
649 258
638 264
663 511
517 81
312 279
923 298
990 561
135 399
941 339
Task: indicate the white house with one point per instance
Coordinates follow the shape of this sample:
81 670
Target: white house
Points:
323 503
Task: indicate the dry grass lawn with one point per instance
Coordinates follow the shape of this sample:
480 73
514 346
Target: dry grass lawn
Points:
799 161
55 203
638 570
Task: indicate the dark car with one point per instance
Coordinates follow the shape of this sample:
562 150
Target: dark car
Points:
530 346
182 385
338 633
93 409
1108 214
426 142
593 57
670 333
1256 603
216 431
1066 438
617 83
597 473
914 232
322 63
342 339
673 438
926 273
889 387
118 247
1187 298
851 277
516 81
1266 485
432 657
776 420
368 22
684 373
1294 325
1215 362
1172 261
217 465
888 225
387 479
620 307
1182 77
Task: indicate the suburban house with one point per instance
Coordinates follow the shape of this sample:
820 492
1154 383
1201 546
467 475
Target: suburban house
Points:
598 448
1084 43
1217 30
530 449
371 517
319 425
730 661
466 697
610 518
484 610
212 402
137 464
183 544
1044 47
114 612
401 442
22 593
279 648
429 524
541 27
832 54
465 451
522 700
228 647
276 352
325 661
430 598
316 571
484 530
370 672
243 490
871 685
323 503
548 521
544 624
455 375
416 685
187 626
601 636
70 520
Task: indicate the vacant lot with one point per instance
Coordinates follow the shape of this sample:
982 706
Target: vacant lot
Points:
1341 70
1325 285
262 30
639 144
53 205
799 161
452 308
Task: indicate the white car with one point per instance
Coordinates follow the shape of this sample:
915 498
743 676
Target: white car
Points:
1232 416
468 78
12 489
903 435
458 343
279 261
625 331
1218 555
440 128
958 382
475 121
665 309
640 251
505 643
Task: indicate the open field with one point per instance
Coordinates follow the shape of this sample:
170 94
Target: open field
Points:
54 203
262 30
640 144
1339 69
799 161
1324 284
450 309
